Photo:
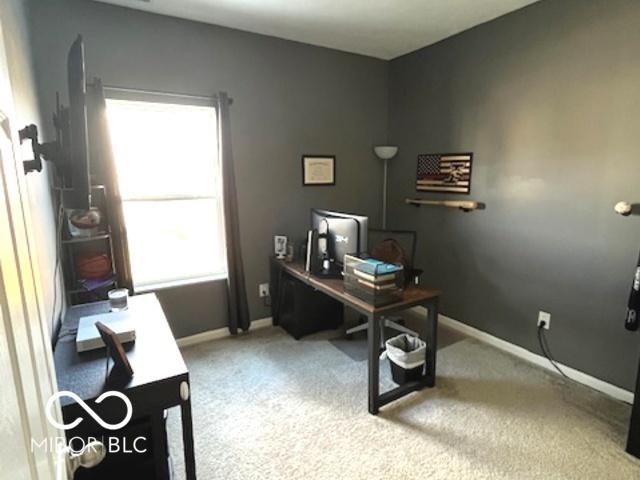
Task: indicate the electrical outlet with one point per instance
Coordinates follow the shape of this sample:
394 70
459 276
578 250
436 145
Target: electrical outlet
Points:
263 290
544 317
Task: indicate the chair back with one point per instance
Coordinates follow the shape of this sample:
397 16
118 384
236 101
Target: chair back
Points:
393 246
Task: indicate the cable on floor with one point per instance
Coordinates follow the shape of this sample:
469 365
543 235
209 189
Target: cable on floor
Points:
542 340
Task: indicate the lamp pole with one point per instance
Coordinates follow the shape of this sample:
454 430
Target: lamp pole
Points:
384 195
385 152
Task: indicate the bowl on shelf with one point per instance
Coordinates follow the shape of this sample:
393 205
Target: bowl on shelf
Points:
84 223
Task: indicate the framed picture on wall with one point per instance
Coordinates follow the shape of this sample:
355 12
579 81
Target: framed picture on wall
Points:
444 172
318 170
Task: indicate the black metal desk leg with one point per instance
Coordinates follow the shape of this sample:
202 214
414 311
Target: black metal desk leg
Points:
373 341
187 440
159 442
432 342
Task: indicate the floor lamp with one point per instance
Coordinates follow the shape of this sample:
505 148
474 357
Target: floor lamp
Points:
386 153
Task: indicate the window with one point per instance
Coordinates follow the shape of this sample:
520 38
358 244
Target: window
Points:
166 159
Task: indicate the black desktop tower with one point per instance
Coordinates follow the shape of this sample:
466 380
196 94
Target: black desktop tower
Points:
300 309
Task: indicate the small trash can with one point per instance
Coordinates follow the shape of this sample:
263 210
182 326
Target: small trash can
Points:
406 355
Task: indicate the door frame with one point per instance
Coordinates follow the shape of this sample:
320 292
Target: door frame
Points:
28 356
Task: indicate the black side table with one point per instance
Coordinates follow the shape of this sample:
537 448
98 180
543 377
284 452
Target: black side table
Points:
160 382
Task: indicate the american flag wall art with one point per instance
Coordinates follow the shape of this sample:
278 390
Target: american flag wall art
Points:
444 172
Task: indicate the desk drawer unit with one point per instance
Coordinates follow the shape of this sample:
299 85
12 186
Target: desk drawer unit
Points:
304 311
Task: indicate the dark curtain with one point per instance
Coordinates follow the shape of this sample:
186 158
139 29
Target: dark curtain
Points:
103 169
237 290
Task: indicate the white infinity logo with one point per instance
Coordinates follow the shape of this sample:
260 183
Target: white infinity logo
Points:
89 410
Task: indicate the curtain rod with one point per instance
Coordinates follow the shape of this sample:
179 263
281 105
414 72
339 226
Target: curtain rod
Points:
158 92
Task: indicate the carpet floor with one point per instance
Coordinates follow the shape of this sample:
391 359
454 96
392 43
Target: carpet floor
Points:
266 406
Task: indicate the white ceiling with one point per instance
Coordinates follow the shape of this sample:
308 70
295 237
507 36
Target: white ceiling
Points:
379 28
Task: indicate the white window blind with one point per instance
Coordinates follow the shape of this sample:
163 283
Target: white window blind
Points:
168 171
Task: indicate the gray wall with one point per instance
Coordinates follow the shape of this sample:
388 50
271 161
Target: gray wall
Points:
15 28
548 99
289 99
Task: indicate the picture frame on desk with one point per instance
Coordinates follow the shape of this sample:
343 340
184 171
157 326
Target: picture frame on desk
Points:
280 246
115 350
318 170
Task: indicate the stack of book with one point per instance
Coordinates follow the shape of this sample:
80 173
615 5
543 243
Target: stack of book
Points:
377 282
375 274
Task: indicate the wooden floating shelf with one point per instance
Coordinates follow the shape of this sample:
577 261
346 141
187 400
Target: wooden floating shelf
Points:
464 205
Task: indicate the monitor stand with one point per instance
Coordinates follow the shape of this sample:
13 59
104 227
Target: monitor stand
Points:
334 271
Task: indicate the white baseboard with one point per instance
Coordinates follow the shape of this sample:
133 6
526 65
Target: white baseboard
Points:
576 375
520 352
219 333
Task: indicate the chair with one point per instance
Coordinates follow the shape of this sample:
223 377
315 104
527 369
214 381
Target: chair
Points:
406 239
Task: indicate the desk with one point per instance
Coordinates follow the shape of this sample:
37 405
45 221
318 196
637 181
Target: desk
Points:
159 372
413 296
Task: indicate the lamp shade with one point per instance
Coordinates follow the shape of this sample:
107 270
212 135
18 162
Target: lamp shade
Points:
385 152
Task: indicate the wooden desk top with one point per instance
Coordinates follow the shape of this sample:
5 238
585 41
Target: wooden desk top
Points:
413 295
154 356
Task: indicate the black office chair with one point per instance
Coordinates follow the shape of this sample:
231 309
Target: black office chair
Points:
406 240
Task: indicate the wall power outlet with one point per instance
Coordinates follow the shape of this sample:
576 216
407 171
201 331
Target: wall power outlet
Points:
263 290
544 317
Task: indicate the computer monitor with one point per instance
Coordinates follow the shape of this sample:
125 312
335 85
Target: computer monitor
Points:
346 233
